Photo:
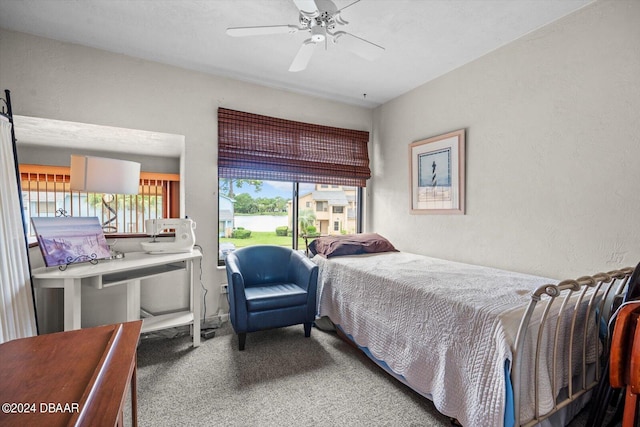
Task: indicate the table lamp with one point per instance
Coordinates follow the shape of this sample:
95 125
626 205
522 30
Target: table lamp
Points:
108 176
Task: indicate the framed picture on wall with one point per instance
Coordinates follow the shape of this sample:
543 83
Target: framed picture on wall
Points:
437 174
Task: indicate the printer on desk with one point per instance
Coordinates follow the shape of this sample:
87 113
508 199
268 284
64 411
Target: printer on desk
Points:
183 241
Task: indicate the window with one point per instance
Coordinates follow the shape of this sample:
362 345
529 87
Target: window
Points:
321 166
255 212
46 193
337 209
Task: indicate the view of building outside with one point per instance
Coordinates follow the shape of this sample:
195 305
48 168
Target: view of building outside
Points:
327 210
255 212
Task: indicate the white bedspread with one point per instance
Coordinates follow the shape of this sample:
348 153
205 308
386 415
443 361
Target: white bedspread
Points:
446 327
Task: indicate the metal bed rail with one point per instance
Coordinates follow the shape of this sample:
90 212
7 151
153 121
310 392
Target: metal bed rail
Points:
588 297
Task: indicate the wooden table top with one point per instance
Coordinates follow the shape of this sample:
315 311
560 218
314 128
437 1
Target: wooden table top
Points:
76 377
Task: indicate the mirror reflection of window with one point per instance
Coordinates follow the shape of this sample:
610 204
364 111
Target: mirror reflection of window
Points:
44 149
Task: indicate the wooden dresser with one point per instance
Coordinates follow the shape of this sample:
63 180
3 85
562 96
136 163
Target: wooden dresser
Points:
73 378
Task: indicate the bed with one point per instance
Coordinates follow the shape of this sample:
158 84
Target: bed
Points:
489 347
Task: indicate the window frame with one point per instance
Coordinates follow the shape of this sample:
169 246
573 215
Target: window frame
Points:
295 216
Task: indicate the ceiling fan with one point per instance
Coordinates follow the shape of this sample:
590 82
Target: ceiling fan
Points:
320 18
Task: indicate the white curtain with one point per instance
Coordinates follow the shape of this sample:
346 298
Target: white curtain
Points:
17 314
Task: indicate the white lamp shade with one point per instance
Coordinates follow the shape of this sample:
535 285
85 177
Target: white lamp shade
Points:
102 175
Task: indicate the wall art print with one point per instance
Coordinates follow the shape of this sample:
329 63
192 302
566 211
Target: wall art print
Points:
437 174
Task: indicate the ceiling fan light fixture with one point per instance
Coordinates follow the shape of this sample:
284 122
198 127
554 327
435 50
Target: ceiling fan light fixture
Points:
318 34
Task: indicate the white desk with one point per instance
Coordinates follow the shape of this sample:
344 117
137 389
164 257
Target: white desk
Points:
128 271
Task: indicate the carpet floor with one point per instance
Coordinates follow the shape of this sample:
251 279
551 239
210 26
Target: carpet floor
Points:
281 379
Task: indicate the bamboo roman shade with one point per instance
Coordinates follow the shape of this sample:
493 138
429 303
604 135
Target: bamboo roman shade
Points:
253 146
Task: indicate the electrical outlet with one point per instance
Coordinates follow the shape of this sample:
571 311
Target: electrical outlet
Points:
223 289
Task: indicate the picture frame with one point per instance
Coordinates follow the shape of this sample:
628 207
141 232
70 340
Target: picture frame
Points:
437 174
70 240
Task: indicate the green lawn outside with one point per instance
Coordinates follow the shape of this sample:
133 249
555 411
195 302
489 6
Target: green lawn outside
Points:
263 238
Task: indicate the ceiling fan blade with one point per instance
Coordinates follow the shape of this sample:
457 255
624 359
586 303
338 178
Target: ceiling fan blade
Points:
349 5
303 56
307 7
357 45
261 31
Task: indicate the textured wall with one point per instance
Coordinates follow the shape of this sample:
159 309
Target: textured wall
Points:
553 142
69 82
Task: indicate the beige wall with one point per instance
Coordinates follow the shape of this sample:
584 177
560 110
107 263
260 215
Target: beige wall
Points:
69 82
553 147
552 139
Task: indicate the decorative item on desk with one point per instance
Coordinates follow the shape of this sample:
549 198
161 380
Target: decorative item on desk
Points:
70 240
183 241
108 176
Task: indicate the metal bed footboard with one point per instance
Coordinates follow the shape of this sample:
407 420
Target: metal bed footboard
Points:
599 293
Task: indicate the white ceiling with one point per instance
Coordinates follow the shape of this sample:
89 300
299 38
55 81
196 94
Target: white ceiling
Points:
423 39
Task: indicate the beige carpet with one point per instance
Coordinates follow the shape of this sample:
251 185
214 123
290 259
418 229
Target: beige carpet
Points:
281 379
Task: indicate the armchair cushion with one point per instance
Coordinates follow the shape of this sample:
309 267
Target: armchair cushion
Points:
274 295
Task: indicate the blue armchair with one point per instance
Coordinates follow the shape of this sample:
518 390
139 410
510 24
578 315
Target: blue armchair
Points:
270 287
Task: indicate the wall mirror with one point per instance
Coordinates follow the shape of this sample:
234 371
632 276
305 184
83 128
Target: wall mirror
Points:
47 142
